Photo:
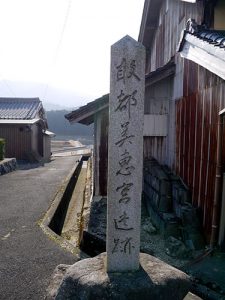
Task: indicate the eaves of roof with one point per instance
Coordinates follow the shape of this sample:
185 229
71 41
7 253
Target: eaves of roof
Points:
85 114
204 47
161 73
22 122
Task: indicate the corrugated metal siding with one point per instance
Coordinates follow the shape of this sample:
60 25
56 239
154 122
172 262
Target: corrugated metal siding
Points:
17 142
193 142
172 21
196 135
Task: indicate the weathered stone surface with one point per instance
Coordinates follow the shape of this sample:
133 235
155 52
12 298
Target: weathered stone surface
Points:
88 279
125 157
147 226
176 248
7 165
56 279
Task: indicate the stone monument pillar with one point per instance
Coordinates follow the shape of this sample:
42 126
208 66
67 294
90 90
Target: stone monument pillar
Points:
125 156
154 279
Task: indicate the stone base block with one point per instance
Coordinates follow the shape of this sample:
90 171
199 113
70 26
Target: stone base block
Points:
7 165
88 279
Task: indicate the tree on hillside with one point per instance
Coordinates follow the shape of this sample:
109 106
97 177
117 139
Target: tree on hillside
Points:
60 126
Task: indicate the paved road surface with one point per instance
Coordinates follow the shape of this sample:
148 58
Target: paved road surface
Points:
27 255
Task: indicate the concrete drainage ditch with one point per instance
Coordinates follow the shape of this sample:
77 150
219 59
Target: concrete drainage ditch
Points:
57 222
63 220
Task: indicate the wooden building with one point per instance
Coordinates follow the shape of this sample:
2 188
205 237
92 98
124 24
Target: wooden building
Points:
184 103
24 127
185 46
96 112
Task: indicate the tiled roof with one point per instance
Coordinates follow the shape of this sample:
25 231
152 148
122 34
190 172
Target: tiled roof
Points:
19 108
204 46
213 37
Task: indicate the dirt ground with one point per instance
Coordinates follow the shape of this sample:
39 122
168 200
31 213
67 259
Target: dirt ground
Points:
206 271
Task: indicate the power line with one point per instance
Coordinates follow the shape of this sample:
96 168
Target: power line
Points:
55 56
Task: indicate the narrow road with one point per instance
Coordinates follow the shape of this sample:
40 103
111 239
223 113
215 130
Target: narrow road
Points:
27 255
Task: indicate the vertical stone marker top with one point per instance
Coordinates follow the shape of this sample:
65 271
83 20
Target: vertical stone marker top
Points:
125 157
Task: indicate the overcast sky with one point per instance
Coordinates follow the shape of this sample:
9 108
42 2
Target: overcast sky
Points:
59 50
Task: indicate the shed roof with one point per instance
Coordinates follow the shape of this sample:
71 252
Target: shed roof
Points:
19 108
205 47
161 73
85 114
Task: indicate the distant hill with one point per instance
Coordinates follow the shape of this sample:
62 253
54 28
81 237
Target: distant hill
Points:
51 106
60 126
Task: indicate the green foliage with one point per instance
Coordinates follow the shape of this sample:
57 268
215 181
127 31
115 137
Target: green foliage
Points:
2 149
60 126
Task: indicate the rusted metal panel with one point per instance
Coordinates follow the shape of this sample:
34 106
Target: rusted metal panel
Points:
182 146
197 108
198 160
178 132
193 121
222 219
196 136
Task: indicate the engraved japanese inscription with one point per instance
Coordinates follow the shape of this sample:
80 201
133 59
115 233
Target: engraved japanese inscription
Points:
126 106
